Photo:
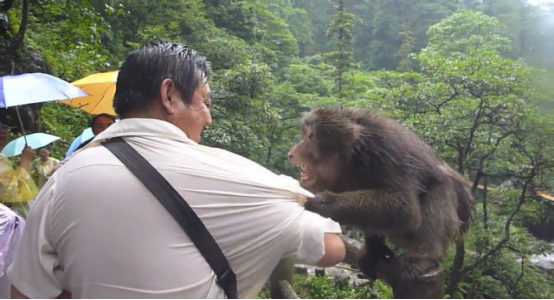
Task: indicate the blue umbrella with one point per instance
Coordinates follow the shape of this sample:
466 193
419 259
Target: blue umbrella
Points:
34 88
34 140
85 136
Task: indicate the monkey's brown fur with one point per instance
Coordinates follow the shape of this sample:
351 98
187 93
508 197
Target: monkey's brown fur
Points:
373 172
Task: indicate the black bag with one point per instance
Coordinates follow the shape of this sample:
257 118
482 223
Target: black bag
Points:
180 210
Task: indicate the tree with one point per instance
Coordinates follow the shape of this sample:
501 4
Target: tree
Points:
472 104
340 29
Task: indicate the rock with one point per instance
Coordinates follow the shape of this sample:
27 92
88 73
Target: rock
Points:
320 272
342 272
300 269
545 262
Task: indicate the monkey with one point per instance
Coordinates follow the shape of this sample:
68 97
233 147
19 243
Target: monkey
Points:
373 172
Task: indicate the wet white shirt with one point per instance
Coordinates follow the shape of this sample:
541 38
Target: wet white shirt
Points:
97 232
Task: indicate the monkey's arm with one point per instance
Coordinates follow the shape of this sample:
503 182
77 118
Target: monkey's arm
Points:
384 212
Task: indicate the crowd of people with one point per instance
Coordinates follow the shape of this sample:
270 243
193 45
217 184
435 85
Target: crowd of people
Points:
95 230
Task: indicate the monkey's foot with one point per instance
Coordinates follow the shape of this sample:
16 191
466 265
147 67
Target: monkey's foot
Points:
414 268
374 253
427 286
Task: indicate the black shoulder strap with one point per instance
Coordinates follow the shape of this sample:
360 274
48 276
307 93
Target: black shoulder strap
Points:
180 210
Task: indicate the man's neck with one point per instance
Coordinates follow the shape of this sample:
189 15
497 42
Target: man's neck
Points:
147 114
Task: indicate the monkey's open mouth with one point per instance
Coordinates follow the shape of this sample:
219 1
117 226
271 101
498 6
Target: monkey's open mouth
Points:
307 174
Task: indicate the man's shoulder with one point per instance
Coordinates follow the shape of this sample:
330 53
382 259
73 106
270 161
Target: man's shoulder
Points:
88 158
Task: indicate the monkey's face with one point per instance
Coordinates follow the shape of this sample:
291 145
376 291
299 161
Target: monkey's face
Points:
317 169
325 149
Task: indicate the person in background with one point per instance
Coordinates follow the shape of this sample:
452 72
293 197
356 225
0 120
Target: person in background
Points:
11 229
17 188
95 231
98 124
42 167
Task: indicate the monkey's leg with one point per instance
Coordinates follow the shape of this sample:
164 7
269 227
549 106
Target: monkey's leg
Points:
381 211
283 271
412 277
373 251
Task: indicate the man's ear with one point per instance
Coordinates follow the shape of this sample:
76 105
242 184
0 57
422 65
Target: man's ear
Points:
167 90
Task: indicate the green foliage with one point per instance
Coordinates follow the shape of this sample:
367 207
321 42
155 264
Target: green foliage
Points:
465 32
504 275
77 49
463 84
316 287
306 80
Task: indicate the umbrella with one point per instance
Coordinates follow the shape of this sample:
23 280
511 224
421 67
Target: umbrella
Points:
86 135
34 140
34 88
101 88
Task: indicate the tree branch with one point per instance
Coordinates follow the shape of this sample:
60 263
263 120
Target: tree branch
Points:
473 128
522 272
19 37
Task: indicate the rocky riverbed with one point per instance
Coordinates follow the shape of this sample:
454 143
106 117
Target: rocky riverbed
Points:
545 262
342 271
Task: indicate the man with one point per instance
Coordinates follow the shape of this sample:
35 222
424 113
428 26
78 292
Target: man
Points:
95 231
11 227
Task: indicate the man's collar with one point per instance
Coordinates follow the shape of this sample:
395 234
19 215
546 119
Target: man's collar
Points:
141 127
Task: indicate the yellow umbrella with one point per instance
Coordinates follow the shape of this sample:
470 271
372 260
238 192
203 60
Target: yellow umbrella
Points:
101 87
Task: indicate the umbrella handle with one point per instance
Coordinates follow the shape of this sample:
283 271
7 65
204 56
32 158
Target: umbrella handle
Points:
17 109
21 124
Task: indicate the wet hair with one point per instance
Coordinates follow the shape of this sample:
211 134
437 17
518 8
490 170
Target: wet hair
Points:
144 69
93 119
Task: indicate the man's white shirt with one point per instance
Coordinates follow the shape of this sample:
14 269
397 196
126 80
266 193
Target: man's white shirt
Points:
97 232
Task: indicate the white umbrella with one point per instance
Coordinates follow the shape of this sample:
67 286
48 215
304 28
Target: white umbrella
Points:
32 88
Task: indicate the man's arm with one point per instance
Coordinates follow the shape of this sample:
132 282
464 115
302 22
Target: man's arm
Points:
320 243
335 251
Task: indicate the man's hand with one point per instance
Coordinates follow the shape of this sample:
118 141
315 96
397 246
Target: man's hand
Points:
27 156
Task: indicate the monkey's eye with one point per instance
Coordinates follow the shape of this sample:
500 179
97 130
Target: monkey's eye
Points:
311 136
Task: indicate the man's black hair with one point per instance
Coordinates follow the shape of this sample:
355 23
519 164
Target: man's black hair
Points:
93 119
144 69
3 117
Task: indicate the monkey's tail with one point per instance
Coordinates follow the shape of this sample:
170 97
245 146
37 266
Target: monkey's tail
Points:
466 203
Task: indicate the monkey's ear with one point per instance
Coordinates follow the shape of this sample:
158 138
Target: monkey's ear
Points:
355 131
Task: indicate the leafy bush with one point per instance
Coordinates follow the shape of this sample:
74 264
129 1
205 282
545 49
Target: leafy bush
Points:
316 287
